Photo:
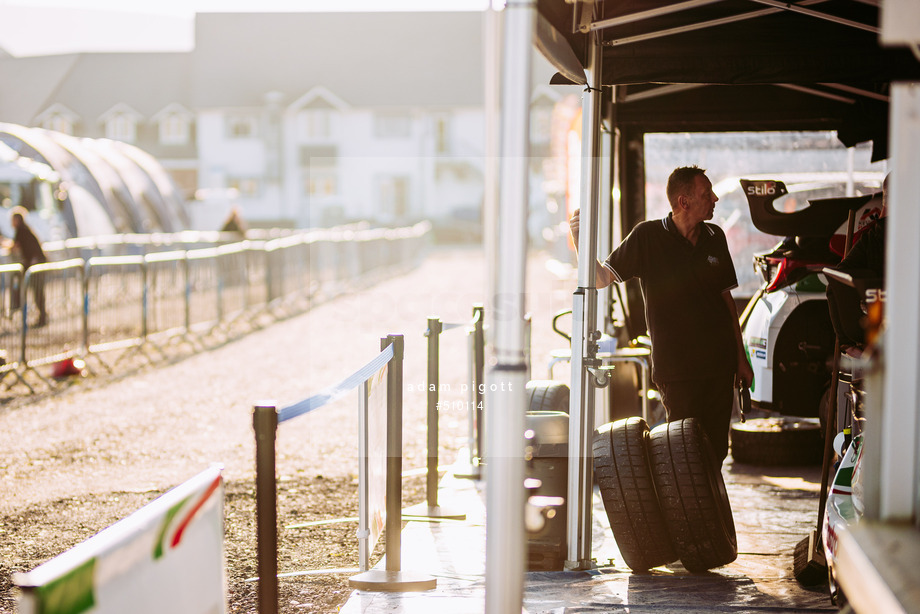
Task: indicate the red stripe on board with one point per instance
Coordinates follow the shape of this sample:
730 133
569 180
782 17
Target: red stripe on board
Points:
188 519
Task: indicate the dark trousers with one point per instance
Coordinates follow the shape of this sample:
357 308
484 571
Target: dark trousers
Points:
844 307
709 400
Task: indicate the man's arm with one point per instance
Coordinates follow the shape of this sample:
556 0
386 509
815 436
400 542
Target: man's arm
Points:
603 276
745 373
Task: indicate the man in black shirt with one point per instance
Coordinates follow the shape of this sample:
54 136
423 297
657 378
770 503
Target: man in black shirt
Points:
686 274
30 251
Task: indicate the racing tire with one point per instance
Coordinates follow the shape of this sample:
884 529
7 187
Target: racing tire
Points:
783 441
547 395
624 477
692 494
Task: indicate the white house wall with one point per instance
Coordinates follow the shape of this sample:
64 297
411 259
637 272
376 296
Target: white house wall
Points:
222 158
364 161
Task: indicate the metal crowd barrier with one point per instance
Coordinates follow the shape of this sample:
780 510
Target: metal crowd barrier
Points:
166 313
53 314
149 300
115 288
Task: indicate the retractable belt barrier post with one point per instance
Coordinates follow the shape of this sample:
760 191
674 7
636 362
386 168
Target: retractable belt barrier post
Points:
265 424
393 578
431 508
478 387
476 366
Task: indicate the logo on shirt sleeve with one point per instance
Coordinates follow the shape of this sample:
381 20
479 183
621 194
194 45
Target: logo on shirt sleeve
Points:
713 261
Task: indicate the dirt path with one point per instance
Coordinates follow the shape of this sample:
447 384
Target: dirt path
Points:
72 463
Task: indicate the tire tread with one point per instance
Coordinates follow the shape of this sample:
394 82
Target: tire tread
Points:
692 495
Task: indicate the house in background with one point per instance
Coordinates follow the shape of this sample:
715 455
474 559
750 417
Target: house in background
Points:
278 115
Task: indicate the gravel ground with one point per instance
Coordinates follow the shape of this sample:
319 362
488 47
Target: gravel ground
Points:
73 462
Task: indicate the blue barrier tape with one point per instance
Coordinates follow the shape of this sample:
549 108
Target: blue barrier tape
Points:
335 392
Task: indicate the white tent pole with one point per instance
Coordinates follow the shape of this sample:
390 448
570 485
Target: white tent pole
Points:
492 98
584 333
898 424
506 402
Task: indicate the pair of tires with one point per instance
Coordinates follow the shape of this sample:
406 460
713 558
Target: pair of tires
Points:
664 495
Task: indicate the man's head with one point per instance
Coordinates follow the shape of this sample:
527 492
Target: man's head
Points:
18 216
690 193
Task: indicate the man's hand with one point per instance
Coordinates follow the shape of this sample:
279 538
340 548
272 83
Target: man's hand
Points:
745 376
574 226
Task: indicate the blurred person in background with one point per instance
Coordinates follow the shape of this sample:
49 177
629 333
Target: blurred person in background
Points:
26 247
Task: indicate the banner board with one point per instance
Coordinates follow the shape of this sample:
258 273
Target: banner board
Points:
372 464
166 557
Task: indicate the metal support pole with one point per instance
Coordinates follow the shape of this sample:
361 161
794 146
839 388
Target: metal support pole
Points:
505 417
265 424
584 333
898 425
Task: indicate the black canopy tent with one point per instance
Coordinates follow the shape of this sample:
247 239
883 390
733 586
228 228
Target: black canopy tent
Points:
725 65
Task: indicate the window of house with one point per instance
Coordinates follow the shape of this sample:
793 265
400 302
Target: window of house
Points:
174 129
392 125
321 179
315 123
241 127
540 124
442 135
121 127
58 123
394 197
246 187
319 171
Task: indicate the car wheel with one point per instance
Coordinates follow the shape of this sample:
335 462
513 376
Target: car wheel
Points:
693 498
778 441
624 477
547 395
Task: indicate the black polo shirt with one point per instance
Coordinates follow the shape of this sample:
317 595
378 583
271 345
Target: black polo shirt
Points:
682 284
